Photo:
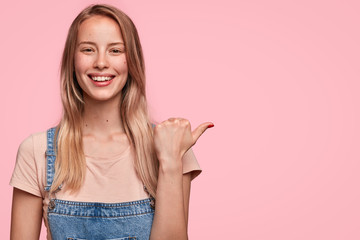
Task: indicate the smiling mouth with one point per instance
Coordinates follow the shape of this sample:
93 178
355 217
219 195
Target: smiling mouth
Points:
101 78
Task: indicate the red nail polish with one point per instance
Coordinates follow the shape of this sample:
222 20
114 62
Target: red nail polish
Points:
211 125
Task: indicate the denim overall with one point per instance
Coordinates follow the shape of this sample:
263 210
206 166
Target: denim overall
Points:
92 220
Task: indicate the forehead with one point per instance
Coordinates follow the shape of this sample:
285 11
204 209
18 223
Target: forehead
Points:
97 27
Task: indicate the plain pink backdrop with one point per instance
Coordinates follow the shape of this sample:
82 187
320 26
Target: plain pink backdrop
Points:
280 80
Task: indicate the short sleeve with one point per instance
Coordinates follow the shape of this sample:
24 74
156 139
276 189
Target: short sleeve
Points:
190 164
24 176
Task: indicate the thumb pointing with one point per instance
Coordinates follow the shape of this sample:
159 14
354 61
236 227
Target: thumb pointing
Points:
200 130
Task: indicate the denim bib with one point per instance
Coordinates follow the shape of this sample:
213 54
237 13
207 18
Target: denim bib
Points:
92 220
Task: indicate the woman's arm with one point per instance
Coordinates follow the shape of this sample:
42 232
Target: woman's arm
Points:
170 220
172 139
26 216
186 195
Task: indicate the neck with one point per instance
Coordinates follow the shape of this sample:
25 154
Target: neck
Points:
102 118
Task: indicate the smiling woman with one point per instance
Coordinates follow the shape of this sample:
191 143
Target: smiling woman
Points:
100 59
97 174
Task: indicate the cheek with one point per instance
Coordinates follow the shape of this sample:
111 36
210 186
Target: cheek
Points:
121 66
81 63
125 67
78 64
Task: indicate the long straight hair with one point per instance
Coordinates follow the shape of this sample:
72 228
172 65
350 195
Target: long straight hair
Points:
70 165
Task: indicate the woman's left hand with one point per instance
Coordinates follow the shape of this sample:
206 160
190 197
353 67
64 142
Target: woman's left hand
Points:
173 138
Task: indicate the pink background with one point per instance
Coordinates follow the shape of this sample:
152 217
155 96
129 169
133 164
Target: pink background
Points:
280 81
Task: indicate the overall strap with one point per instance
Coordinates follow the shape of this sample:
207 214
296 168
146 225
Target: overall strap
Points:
152 202
50 158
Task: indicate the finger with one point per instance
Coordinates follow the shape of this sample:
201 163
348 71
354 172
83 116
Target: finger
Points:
201 129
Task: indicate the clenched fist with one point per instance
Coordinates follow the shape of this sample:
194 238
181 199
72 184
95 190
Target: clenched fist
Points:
173 138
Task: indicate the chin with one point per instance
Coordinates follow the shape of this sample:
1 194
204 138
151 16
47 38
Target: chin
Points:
103 98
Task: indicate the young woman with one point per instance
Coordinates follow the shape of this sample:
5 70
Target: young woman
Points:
106 171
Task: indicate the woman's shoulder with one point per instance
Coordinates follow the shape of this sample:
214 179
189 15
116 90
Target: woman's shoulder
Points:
29 170
34 144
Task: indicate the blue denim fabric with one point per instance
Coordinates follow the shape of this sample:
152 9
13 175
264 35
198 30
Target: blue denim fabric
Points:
94 221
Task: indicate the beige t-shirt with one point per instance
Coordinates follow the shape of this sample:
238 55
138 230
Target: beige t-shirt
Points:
108 179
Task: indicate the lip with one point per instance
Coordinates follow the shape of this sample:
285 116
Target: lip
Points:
104 83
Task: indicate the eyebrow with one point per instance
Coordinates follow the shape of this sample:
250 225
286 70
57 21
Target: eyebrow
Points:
92 43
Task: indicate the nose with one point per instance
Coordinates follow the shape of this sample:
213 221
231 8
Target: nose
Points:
101 61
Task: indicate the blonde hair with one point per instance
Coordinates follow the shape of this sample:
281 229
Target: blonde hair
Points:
70 160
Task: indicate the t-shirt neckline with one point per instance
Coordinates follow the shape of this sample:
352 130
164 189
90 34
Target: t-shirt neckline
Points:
115 156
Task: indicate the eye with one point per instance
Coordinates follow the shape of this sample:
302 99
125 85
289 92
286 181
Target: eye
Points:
116 51
86 50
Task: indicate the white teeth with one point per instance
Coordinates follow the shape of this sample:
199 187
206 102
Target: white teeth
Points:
101 79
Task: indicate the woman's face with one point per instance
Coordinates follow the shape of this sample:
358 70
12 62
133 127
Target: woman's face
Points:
100 60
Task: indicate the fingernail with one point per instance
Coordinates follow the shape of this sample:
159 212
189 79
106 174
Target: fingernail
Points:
211 125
